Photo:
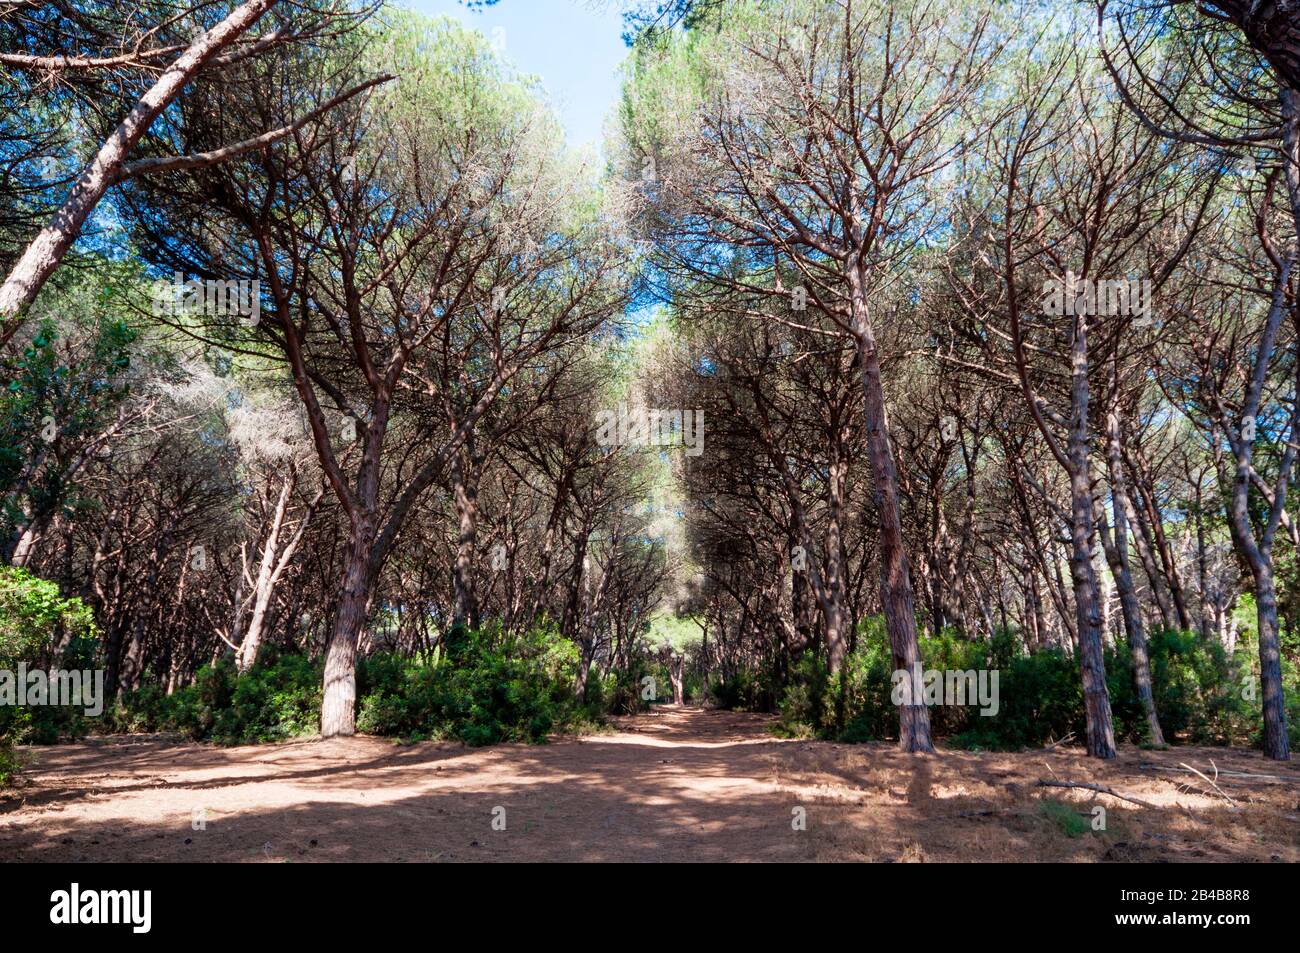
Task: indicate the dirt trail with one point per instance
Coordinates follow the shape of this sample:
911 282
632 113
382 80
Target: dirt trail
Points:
679 784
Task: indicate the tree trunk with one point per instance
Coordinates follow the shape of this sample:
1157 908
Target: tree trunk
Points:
1143 543
1271 28
1092 665
465 489
1117 556
1257 551
26 545
1202 570
1276 743
896 596
584 672
47 249
1036 635
252 640
676 675
571 620
836 636
1151 506
338 714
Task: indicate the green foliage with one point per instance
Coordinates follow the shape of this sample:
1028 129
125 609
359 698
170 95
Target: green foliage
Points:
746 691
620 692
802 706
147 709
677 633
1247 664
1065 817
496 688
63 386
1197 689
9 764
1040 700
277 699
35 619
271 702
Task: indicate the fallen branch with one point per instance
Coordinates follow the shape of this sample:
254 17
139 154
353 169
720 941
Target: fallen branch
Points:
1044 783
1211 783
1153 766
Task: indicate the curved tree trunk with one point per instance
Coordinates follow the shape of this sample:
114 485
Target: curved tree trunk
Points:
47 249
1272 27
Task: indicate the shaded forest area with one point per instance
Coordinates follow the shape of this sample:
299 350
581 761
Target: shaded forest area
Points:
342 396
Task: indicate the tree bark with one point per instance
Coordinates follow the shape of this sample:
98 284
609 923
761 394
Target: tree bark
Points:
1271 27
896 595
1116 548
252 640
676 675
1202 569
1257 550
465 483
836 622
338 714
1155 521
1092 665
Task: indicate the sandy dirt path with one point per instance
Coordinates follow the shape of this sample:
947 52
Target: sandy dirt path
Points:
679 784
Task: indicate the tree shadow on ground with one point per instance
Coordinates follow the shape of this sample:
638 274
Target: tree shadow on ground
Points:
680 785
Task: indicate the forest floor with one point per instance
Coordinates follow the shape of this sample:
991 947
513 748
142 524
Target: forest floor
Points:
680 784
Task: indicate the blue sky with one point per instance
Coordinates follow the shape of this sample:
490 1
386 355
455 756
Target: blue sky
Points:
574 47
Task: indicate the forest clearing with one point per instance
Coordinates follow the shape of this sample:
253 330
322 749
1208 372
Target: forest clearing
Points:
677 785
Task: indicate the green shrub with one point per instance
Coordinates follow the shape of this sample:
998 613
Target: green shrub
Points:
494 688
1197 692
1065 817
619 692
746 690
497 688
1040 699
8 765
35 620
801 708
146 709
278 698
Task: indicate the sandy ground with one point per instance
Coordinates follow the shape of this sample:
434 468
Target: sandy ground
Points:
677 785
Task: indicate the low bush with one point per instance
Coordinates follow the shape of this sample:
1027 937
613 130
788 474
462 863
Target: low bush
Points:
42 628
1202 696
497 688
278 698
